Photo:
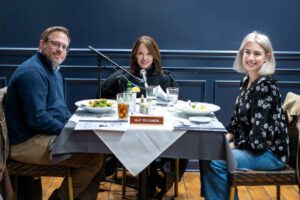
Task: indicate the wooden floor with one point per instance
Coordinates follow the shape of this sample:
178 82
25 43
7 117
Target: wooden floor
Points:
189 188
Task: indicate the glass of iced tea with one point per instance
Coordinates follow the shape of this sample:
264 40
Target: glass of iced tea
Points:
123 100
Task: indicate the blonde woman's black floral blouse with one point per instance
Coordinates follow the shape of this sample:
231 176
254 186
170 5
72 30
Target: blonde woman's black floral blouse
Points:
258 123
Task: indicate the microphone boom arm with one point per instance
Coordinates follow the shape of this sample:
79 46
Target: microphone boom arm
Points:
114 63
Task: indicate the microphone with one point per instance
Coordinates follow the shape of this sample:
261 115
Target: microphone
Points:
115 64
143 74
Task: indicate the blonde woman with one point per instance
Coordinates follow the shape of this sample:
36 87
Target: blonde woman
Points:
257 131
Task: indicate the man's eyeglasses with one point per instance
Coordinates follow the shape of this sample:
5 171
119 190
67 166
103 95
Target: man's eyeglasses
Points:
57 45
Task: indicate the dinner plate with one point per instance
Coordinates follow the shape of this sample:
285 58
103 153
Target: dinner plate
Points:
196 108
85 105
200 119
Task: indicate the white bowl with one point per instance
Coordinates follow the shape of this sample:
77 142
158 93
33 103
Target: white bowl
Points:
200 109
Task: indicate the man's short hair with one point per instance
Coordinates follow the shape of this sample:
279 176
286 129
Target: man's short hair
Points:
48 31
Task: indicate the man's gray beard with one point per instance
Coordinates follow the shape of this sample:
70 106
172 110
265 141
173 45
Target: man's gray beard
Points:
55 66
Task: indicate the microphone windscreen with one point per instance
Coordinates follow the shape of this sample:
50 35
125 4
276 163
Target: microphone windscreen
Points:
142 71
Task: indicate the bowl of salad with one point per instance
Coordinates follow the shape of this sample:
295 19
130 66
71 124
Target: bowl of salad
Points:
96 105
196 108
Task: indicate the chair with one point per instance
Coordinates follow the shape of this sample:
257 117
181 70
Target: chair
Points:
290 174
17 168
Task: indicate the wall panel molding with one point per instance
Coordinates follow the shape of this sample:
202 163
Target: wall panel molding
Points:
288 86
78 89
221 86
170 52
194 90
192 58
202 75
225 93
179 69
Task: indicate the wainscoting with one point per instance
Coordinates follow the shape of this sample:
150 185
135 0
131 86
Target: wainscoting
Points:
205 76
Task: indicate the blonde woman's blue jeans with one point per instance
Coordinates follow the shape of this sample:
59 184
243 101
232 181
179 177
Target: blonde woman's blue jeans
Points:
216 186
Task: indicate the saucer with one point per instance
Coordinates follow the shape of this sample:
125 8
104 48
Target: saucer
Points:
200 119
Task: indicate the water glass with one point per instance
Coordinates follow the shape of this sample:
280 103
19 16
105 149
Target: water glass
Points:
123 102
151 94
172 97
133 102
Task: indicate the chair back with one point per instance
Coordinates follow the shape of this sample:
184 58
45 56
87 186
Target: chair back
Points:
5 184
4 145
24 169
291 107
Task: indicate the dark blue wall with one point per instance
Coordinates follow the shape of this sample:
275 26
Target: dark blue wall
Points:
190 24
198 40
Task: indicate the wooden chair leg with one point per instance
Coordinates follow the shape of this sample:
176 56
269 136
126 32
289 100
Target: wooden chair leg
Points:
232 192
278 192
15 187
123 182
70 187
176 177
115 176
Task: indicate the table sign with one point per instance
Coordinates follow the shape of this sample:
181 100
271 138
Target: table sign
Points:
146 120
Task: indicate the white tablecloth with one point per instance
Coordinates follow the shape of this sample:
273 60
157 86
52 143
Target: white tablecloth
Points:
137 146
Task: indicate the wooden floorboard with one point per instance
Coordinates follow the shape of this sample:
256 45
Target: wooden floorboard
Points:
271 190
189 189
244 192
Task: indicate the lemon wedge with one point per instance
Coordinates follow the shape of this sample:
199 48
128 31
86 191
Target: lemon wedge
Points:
135 89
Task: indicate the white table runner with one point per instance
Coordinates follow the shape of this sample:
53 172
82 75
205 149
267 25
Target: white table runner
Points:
137 147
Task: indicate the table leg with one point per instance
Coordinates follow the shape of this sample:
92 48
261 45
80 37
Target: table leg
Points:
203 164
142 185
176 177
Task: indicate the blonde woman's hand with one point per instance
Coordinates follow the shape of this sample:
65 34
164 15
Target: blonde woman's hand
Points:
231 145
229 137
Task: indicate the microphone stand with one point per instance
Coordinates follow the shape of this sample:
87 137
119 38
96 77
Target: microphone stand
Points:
100 63
100 55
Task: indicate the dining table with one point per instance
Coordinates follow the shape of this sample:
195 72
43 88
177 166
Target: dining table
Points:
137 145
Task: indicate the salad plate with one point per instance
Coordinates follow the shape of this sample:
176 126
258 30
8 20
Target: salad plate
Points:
96 105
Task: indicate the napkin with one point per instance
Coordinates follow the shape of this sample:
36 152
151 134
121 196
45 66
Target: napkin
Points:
161 94
107 126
